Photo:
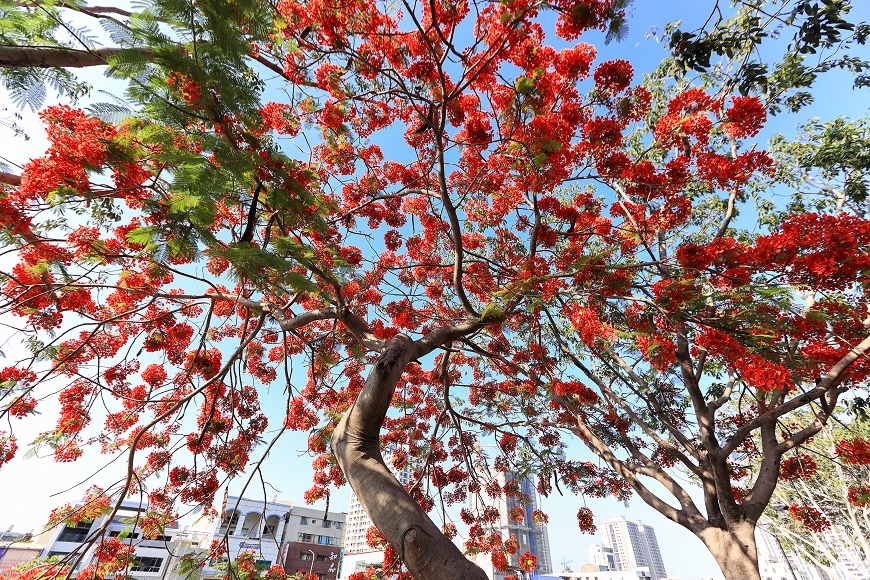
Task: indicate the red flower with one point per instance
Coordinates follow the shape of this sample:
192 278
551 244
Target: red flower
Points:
613 76
798 467
854 451
528 562
586 521
745 117
811 518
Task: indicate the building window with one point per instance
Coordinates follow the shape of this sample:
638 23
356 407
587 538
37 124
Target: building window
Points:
327 523
116 533
77 533
229 521
338 525
147 564
321 558
271 527
303 521
304 555
306 537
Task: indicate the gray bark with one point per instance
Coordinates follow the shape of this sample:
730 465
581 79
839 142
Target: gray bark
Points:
426 552
734 550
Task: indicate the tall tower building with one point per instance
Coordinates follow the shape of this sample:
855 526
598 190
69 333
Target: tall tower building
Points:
634 545
532 538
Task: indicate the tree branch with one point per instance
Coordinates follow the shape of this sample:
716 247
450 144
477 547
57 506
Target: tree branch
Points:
833 378
56 56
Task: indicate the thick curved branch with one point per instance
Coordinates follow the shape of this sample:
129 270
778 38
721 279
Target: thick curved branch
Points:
688 517
830 381
54 56
248 234
89 10
427 552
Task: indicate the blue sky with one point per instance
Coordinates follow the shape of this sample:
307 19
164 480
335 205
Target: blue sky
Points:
29 489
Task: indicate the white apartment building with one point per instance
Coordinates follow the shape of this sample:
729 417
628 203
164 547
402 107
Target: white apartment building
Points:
279 532
602 556
154 557
637 574
634 545
775 563
250 524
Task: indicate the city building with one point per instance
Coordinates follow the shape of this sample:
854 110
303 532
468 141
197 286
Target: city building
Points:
634 545
532 538
602 556
153 556
636 574
250 525
359 561
313 542
775 563
14 553
279 532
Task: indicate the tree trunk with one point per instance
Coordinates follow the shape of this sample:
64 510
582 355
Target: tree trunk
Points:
427 553
734 550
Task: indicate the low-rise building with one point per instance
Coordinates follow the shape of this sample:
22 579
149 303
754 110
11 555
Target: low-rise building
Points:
74 543
249 525
636 574
14 553
358 561
313 542
278 532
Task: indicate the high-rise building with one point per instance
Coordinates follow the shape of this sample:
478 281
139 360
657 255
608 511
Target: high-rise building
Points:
634 545
602 556
532 538
775 563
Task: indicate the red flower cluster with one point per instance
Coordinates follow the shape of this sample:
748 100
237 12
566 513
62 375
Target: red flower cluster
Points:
528 562
811 518
855 451
745 117
586 520
753 368
800 466
859 496
613 76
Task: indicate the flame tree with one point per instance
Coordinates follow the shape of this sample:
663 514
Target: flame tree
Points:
469 229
